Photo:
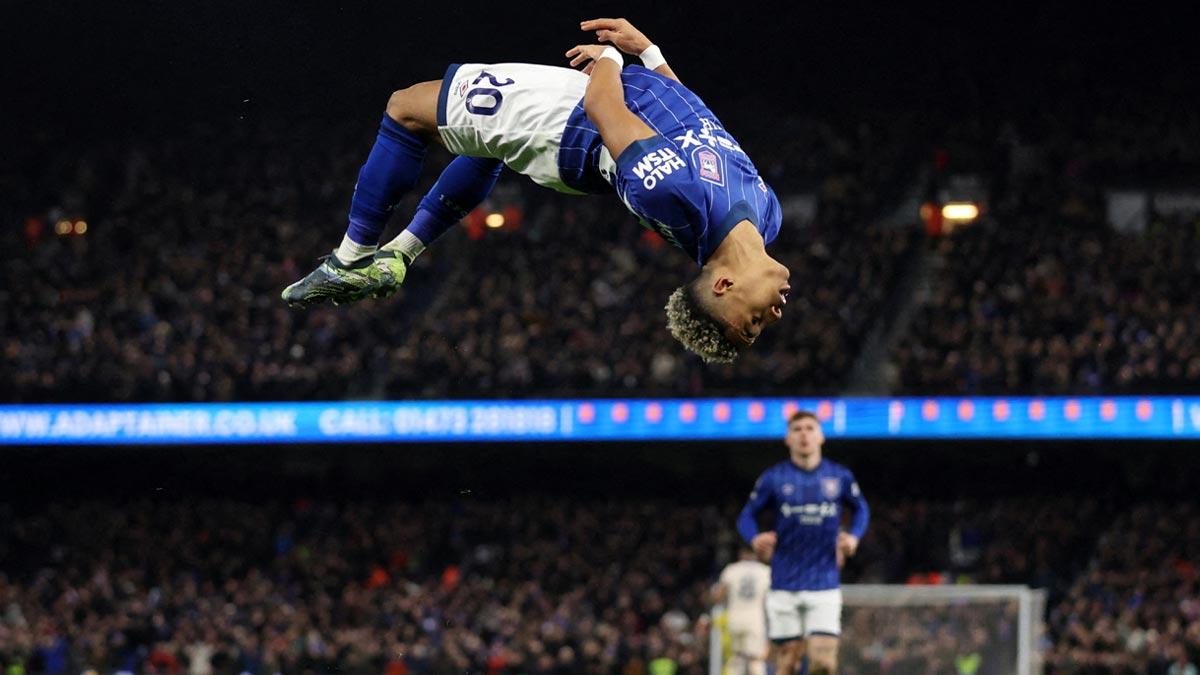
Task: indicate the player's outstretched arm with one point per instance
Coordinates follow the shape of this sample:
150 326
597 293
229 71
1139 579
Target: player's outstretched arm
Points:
622 35
604 98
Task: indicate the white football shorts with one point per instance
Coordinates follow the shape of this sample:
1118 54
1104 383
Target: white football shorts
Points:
514 112
800 614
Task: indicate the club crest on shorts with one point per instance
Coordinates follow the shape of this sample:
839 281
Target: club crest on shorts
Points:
709 165
831 487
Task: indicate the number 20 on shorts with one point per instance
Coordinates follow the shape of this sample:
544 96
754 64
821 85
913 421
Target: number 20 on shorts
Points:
488 92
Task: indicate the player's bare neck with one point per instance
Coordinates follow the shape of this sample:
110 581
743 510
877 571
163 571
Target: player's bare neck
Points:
742 246
807 462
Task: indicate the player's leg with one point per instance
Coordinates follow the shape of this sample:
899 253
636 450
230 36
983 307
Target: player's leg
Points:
789 655
392 168
748 647
822 654
463 185
756 650
477 111
736 664
785 631
823 626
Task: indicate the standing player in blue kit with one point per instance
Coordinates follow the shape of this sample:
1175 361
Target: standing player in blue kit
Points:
635 132
807 547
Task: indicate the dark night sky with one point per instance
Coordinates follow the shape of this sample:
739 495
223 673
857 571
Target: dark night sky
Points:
93 67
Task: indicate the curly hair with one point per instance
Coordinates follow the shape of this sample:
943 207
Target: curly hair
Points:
696 328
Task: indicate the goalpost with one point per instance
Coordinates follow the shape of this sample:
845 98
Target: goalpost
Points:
928 629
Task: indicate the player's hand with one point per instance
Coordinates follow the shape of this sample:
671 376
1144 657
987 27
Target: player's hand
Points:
847 545
585 53
763 544
620 33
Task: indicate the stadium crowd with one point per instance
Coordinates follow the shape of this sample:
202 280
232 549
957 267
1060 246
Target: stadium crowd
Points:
1030 306
539 585
171 293
952 639
510 331
1135 610
1043 295
229 587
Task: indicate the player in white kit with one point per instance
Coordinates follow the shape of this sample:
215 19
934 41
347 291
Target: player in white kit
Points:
743 589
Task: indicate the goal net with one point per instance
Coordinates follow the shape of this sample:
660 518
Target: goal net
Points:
916 630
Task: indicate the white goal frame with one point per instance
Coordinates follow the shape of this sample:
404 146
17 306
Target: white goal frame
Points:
1031 605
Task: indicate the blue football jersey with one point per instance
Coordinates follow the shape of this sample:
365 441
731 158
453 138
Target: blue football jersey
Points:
808 507
691 182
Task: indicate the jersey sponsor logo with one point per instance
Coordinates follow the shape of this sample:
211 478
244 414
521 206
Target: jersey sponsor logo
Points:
656 165
709 163
692 138
813 513
831 487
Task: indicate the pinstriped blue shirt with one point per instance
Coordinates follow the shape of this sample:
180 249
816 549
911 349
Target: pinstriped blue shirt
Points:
691 182
808 507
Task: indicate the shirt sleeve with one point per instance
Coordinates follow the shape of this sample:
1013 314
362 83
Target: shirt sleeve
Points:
656 184
761 497
852 497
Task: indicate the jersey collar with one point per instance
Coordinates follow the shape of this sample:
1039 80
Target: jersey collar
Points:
739 212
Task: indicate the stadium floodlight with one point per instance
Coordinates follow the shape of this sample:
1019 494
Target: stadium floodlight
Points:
962 212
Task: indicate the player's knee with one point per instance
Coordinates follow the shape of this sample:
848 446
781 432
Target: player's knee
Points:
789 654
402 106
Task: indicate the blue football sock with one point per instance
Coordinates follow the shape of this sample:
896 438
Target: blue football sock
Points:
391 169
464 183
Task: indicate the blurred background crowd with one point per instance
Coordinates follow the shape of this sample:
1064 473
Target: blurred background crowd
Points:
166 171
569 303
172 292
559 585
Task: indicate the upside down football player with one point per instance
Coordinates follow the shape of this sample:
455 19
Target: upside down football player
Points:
636 132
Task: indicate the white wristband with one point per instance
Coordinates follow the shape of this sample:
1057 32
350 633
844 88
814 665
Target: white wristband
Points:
614 55
652 57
